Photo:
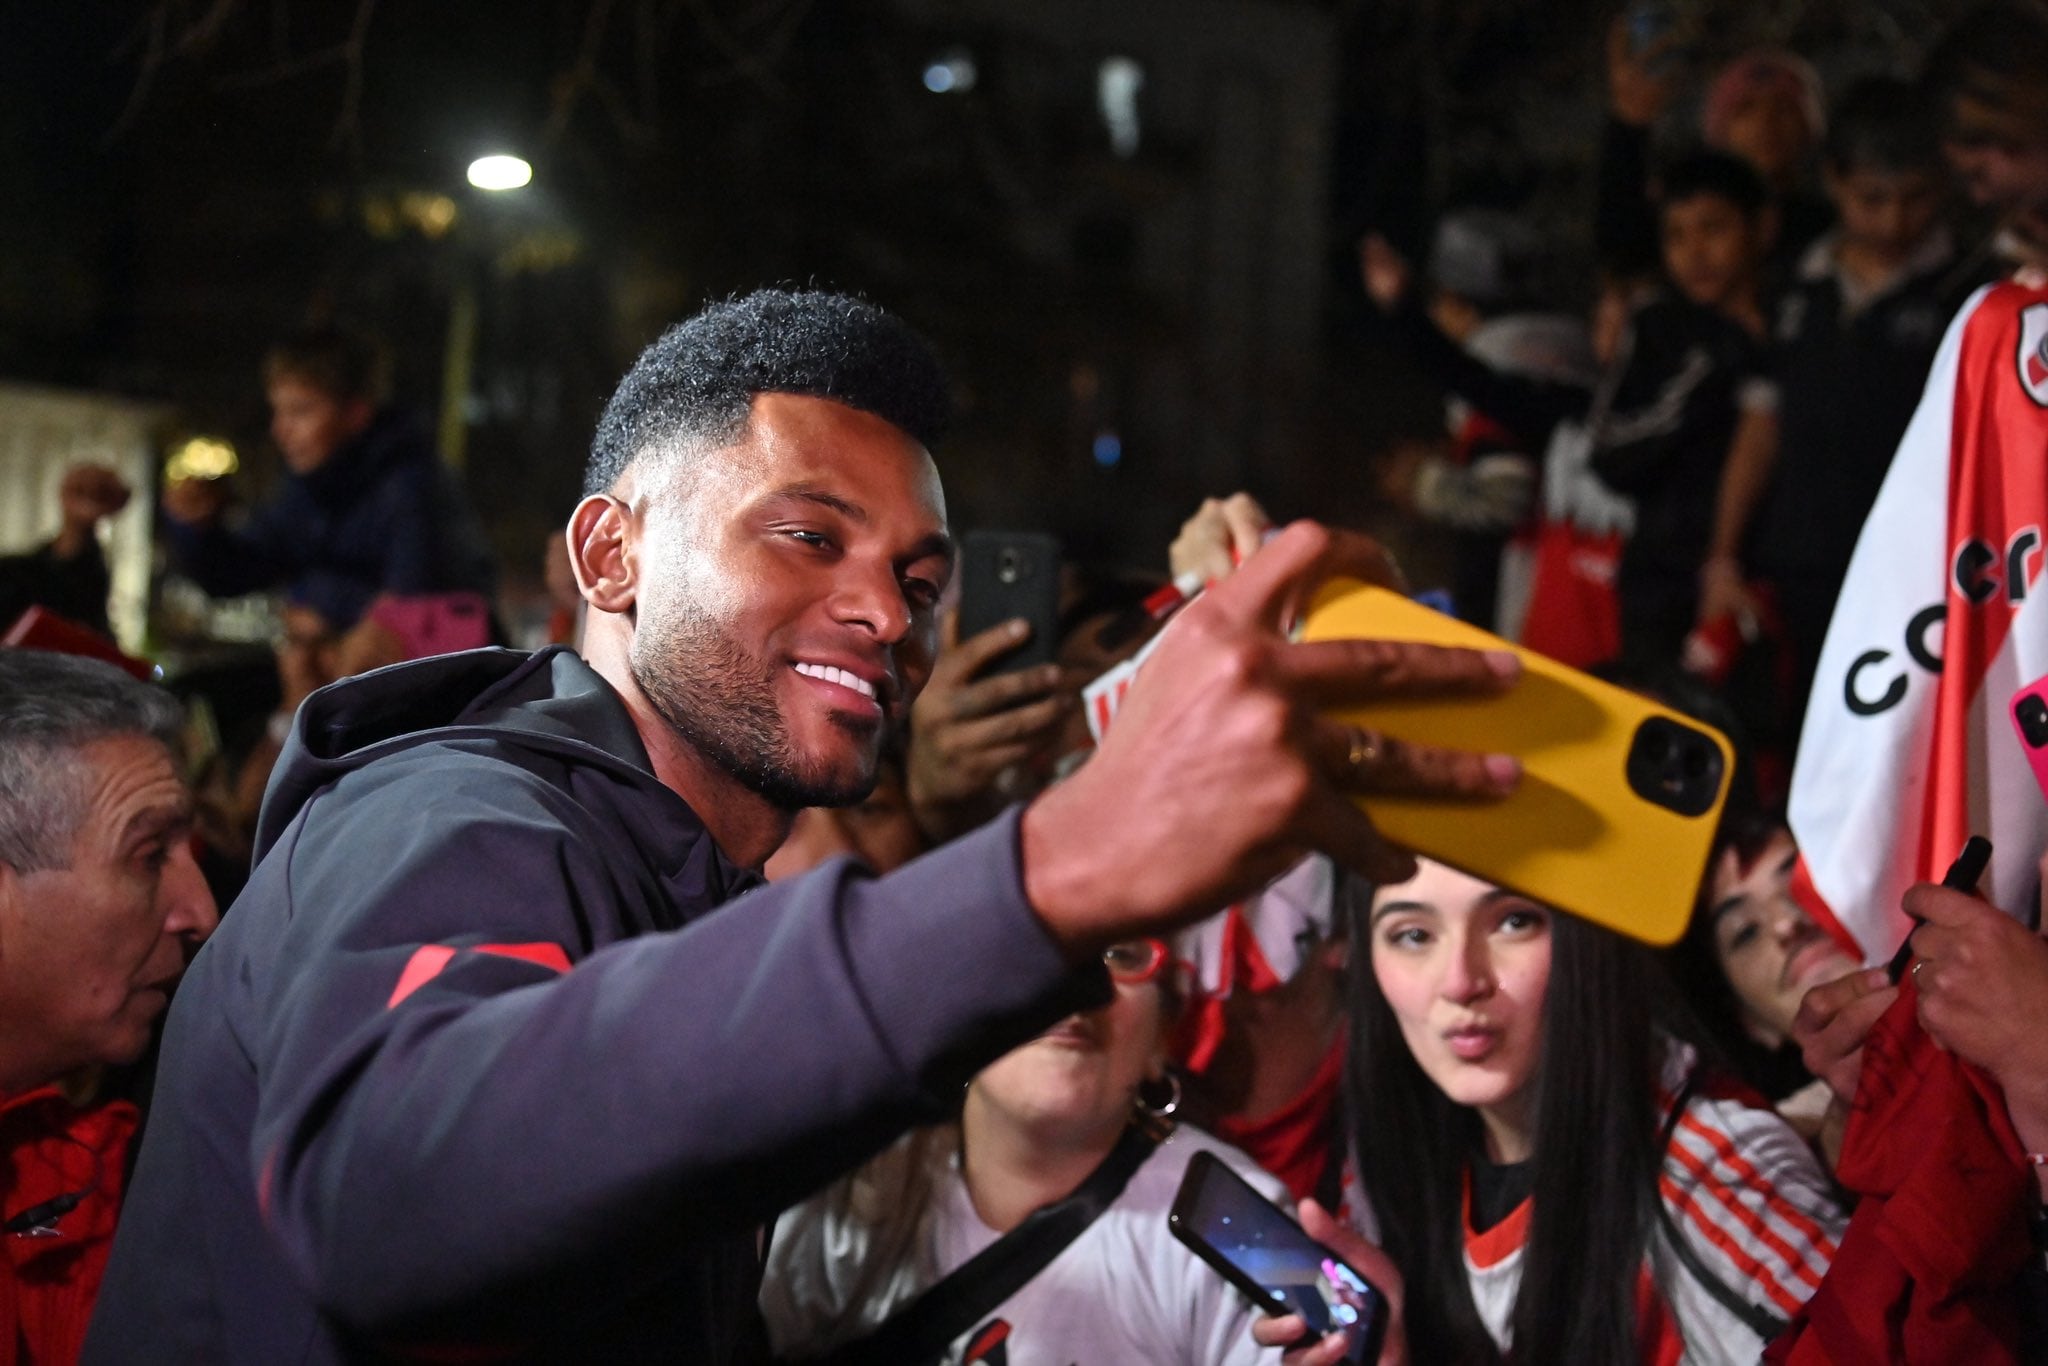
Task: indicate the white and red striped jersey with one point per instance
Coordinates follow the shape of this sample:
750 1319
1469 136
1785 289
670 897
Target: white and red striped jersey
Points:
1757 1214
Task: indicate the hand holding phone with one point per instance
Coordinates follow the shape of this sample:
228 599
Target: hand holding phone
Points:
973 723
1619 798
1273 1260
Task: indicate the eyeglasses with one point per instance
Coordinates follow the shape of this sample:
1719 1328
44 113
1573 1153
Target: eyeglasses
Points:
1135 960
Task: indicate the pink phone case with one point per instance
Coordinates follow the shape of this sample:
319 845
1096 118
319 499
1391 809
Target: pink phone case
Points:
2029 714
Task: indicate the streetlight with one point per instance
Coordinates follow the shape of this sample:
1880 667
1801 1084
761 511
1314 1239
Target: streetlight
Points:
500 172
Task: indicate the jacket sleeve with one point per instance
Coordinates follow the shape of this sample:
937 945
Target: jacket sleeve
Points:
1528 407
229 561
1624 220
458 1128
1651 411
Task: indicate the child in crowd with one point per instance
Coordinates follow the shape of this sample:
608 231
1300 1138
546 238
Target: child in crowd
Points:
1551 1178
1764 106
1852 343
1690 384
1512 374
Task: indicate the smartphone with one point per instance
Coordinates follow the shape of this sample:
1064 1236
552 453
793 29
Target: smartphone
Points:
1620 796
1264 1253
2030 719
1962 876
1008 574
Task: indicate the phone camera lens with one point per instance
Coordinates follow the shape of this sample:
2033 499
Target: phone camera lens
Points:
2033 715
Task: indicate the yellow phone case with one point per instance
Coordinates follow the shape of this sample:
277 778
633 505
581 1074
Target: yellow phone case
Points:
1619 799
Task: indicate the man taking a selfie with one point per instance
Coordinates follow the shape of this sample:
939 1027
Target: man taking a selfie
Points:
476 1065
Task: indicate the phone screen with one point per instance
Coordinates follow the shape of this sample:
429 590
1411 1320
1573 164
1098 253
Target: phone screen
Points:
1256 1244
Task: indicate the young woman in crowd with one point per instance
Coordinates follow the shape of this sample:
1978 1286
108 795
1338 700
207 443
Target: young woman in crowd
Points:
1035 1126
1749 956
1548 1176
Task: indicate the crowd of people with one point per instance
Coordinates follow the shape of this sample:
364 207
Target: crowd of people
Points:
764 971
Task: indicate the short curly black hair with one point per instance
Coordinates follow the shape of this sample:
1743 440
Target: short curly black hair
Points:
697 382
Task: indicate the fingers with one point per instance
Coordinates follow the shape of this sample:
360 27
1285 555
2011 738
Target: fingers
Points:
1222 533
1334 825
1001 692
967 658
1367 761
1335 673
1292 565
1821 1006
1023 726
1833 1021
1247 524
1939 905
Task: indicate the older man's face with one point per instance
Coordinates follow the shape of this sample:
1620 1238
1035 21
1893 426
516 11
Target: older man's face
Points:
90 952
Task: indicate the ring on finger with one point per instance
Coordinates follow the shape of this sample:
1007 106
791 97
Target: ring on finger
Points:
1919 965
1365 749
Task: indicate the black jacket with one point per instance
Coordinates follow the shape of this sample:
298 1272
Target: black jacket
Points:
382 515
472 1067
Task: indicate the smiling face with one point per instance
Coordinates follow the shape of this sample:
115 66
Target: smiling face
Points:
1465 965
789 586
1771 951
89 952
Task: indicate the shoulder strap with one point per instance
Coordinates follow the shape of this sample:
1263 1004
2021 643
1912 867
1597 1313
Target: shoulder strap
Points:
1758 1319
963 1298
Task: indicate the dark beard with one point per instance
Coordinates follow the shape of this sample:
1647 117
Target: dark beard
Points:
720 701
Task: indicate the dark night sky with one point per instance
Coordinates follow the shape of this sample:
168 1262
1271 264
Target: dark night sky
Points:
159 232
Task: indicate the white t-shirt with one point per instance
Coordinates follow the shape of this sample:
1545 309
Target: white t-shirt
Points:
1124 1291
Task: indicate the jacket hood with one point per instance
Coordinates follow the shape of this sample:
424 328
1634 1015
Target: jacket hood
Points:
548 701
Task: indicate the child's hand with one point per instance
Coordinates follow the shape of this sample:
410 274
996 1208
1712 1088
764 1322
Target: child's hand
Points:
1639 83
1384 271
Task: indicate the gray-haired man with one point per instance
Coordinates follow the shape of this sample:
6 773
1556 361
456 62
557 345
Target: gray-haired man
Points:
101 902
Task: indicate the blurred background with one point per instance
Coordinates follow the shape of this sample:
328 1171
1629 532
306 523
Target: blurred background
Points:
1128 227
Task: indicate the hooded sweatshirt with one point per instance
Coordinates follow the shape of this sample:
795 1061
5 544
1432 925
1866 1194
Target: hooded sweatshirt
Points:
476 1069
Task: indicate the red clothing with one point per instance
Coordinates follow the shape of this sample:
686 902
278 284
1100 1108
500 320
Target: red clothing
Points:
49 1148
1293 1142
1927 1269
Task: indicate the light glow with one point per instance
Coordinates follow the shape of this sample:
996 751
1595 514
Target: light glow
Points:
201 457
500 172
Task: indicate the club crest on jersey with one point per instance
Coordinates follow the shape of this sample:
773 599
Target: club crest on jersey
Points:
2033 356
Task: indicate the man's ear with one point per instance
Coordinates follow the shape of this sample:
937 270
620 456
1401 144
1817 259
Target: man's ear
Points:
604 552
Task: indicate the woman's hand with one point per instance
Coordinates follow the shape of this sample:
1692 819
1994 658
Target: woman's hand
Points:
1287 1330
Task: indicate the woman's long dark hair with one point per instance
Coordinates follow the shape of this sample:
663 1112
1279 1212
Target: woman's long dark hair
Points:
1595 1157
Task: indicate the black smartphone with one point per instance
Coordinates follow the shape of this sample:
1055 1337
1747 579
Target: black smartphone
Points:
1006 574
1962 876
1264 1253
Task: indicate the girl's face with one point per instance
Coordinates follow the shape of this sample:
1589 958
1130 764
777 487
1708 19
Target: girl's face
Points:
1464 965
1073 1084
1772 953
